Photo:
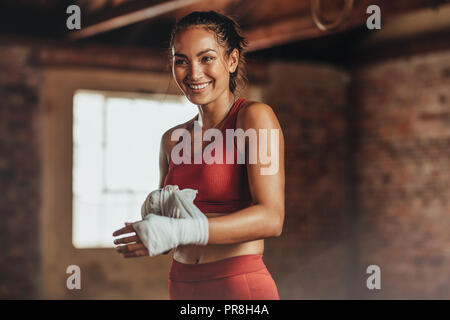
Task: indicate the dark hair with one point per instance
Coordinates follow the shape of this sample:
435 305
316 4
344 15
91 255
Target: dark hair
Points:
228 34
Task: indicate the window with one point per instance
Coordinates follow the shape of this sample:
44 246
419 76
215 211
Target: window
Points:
116 141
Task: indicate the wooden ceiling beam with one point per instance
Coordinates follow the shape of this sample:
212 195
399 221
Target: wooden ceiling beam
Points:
278 33
128 13
303 27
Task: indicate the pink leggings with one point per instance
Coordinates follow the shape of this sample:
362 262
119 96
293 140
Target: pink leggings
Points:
237 278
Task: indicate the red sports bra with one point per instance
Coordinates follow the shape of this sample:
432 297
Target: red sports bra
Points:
222 187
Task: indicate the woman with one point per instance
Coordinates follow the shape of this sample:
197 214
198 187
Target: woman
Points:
242 206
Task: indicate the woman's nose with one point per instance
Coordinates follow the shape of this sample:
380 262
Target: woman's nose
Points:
195 72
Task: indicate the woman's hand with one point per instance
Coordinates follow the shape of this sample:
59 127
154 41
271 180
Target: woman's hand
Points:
157 234
133 246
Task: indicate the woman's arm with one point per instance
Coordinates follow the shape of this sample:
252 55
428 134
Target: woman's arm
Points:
163 160
266 217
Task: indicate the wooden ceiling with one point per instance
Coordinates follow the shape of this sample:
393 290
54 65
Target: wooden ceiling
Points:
266 23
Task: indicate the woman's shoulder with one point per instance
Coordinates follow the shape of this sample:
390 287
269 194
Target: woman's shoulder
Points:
255 113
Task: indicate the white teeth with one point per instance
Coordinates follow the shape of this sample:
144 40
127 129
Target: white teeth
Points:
197 87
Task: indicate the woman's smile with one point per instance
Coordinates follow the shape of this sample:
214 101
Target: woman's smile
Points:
198 87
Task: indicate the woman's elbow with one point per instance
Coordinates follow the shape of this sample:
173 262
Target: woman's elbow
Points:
277 223
279 228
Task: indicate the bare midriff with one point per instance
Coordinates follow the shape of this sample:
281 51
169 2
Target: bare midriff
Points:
193 254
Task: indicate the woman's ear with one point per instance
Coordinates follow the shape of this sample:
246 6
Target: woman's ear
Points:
233 60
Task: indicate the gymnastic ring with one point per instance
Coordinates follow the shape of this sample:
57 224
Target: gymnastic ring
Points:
328 26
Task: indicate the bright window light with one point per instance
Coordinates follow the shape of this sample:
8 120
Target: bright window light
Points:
116 142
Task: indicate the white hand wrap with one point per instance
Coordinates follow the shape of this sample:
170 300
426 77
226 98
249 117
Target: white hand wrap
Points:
182 222
158 202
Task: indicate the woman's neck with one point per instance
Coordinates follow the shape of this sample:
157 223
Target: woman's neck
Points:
211 114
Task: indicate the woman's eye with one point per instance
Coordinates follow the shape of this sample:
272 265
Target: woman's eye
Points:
179 61
207 59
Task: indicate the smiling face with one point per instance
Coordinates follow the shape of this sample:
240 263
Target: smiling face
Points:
200 65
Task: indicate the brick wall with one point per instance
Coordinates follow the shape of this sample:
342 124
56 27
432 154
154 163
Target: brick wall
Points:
402 150
19 175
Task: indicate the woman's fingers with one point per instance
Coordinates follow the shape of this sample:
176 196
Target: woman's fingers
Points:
127 240
131 248
124 230
136 254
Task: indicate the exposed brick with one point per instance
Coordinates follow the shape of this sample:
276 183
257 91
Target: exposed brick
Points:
404 173
19 177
